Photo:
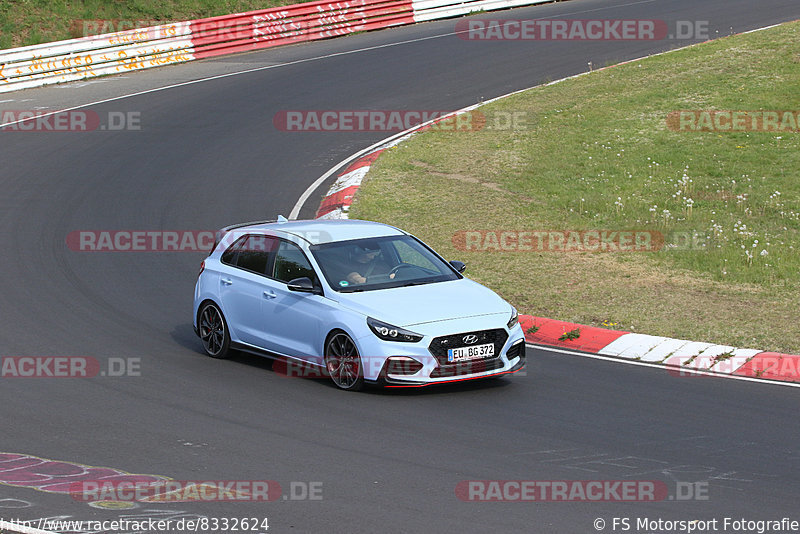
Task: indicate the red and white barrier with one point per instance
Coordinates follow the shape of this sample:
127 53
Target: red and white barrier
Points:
425 10
290 24
143 48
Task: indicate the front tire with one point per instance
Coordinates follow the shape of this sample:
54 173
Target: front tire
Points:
213 330
343 362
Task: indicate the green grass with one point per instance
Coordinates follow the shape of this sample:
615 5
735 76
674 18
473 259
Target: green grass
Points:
27 22
596 153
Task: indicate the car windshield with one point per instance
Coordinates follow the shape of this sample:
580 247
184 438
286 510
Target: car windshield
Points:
380 263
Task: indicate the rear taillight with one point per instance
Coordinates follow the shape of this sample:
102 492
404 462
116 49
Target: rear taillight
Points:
202 267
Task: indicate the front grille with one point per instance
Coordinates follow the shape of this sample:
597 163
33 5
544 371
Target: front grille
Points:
438 347
467 368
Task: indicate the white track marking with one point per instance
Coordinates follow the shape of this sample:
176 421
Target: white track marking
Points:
13 527
663 368
296 62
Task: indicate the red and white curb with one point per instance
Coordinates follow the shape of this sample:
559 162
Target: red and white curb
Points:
337 202
682 357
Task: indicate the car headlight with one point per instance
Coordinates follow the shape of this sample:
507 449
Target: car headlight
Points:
514 321
388 332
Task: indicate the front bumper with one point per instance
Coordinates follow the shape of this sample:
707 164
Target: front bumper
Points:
510 361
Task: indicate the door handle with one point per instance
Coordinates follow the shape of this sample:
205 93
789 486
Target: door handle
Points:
270 294
226 281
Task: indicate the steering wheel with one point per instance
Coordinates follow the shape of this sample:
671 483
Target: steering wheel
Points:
396 268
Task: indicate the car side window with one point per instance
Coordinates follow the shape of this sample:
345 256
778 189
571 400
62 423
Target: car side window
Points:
291 263
229 256
254 255
251 253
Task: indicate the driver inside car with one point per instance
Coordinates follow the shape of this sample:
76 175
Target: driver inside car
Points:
366 261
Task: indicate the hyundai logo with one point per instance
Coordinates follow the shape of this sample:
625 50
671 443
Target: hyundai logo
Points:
470 339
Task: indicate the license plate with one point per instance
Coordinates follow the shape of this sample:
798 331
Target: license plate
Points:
476 352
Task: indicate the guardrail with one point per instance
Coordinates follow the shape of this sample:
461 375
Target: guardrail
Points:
76 59
301 22
425 10
143 48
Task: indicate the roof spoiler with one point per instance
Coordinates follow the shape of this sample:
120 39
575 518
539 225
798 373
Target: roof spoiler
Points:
224 231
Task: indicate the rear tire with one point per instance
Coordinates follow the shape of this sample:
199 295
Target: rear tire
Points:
343 362
213 330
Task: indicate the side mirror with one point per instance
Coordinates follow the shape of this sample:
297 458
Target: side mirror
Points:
303 285
459 266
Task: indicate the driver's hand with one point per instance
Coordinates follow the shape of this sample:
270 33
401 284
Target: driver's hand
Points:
355 278
392 275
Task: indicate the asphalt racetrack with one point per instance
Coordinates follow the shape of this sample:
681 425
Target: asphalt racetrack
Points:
207 155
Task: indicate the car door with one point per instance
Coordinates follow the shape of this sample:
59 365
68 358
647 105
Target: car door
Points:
242 287
295 320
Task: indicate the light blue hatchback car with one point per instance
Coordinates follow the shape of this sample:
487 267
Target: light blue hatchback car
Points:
356 301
